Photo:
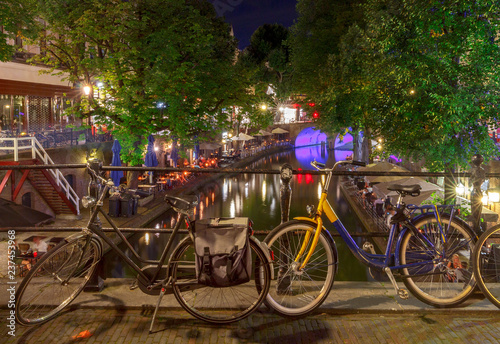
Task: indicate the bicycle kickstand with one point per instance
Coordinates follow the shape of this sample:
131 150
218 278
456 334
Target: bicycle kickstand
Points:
160 297
402 293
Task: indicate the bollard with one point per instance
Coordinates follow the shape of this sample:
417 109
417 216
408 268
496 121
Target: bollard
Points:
285 191
96 282
286 174
477 179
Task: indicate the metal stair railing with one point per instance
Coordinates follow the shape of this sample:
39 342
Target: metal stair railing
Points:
37 151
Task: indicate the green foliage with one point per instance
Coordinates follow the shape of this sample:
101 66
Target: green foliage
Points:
17 20
164 65
440 83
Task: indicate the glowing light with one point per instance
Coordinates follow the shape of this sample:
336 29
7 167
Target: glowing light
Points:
263 107
146 238
86 90
264 190
412 91
232 209
460 189
320 190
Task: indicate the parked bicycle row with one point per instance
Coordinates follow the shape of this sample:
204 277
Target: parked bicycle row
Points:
435 254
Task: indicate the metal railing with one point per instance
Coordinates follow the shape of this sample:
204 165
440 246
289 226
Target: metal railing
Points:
37 151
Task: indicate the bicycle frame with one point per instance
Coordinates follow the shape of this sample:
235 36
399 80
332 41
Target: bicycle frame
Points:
94 227
377 261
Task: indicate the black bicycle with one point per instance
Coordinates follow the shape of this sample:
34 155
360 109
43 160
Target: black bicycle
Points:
62 273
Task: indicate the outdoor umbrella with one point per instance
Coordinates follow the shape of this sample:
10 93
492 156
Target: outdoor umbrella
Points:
279 131
427 189
245 137
264 133
116 161
150 160
383 167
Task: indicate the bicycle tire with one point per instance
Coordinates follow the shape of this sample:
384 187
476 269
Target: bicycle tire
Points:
439 283
41 295
297 293
218 305
486 262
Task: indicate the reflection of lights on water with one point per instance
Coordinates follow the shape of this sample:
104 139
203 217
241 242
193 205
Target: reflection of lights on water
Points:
206 201
272 207
246 191
157 235
213 197
146 238
320 190
264 189
232 209
323 179
225 190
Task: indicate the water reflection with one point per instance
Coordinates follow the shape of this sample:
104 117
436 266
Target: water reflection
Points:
257 196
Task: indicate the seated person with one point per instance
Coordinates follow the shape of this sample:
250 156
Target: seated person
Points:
39 245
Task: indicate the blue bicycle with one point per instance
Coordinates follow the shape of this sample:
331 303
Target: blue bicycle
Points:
431 253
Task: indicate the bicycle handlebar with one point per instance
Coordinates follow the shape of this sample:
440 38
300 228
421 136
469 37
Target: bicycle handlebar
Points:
320 166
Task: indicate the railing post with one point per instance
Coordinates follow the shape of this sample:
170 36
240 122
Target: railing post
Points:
285 191
96 282
477 179
285 198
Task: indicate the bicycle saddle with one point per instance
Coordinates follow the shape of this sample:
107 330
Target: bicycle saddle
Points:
184 203
412 190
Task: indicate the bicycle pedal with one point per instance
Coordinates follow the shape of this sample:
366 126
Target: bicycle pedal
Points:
134 285
403 294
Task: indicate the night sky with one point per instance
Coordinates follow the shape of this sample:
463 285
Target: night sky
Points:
247 15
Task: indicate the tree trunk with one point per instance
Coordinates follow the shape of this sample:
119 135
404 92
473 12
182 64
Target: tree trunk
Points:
357 146
366 149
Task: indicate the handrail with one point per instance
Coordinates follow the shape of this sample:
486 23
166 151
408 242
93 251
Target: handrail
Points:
38 151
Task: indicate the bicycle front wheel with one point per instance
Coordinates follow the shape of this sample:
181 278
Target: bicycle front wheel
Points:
297 292
219 305
487 264
56 280
442 272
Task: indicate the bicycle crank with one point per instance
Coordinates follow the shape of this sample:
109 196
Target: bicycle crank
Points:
402 293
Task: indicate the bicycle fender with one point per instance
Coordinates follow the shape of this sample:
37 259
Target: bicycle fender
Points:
267 252
329 236
397 249
80 235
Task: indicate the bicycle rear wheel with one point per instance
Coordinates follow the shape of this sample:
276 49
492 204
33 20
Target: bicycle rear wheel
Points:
56 280
218 305
442 275
487 264
296 293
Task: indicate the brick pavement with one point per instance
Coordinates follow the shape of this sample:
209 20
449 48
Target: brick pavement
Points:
177 327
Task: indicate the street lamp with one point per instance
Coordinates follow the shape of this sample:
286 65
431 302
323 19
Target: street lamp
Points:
263 107
86 90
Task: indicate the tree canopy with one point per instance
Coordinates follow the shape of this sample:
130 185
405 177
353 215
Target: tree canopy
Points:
440 81
161 65
17 19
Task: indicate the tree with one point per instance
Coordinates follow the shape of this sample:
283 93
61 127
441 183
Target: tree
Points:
329 49
316 36
17 21
440 88
162 65
267 59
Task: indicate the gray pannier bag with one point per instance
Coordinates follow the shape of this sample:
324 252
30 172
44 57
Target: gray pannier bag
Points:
223 256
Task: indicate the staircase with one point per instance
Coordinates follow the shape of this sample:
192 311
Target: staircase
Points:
50 183
46 189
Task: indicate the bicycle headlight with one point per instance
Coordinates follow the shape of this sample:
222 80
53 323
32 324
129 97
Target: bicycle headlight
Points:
88 201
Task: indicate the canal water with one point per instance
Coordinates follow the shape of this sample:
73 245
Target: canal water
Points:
257 196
